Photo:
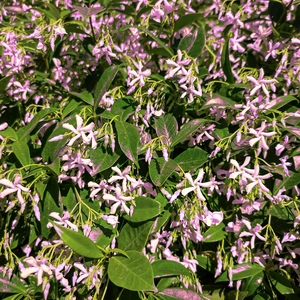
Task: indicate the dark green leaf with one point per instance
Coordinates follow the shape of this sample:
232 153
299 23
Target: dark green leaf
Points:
242 271
122 108
102 159
84 96
128 138
50 202
145 209
288 183
186 43
191 159
71 106
133 273
214 233
104 83
55 12
198 44
134 236
79 243
225 61
4 82
13 285
277 11
166 128
186 20
24 132
160 170
21 151
162 268
251 284
236 295
187 130
205 263
262 296
281 283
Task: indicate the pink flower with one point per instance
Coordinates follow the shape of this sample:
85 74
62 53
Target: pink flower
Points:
12 188
253 232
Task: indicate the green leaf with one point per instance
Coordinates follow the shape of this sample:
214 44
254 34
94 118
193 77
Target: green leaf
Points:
178 294
281 283
122 108
205 263
49 203
288 183
84 96
198 44
262 296
104 83
281 101
236 295
214 234
225 61
71 106
160 170
162 268
79 243
242 271
251 284
145 209
133 273
9 133
277 11
13 285
55 12
134 236
3 83
21 151
166 127
187 130
186 20
128 138
24 132
191 159
102 159
186 43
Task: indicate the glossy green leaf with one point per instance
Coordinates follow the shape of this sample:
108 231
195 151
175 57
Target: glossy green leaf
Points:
50 202
262 296
9 133
277 11
198 43
24 132
186 20
225 61
71 106
281 101
236 295
205 263
214 234
187 130
4 82
21 151
84 96
160 170
12 285
288 183
122 108
191 159
79 242
165 282
145 209
166 128
128 138
251 284
162 268
104 83
102 159
179 294
134 236
242 271
133 273
186 43
281 283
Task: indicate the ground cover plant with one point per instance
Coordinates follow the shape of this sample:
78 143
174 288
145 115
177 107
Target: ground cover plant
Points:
149 149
